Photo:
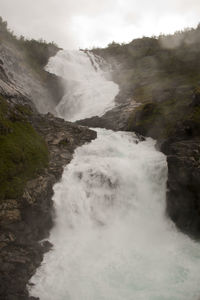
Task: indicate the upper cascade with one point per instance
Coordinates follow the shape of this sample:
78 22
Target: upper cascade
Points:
89 90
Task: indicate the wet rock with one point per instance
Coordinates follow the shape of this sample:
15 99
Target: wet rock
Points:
183 196
115 119
9 212
28 219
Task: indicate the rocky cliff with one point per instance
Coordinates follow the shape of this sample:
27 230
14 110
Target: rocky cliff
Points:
177 130
34 149
159 81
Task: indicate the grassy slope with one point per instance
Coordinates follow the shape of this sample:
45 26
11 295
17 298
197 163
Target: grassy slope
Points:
23 152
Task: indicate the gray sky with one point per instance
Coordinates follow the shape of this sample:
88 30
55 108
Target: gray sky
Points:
88 23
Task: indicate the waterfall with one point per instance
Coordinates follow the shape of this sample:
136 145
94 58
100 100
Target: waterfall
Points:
112 240
89 90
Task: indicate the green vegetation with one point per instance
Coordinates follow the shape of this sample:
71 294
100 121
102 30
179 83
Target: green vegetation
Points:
156 63
160 119
23 152
163 74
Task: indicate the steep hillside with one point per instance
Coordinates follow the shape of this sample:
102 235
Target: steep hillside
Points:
162 75
34 148
23 62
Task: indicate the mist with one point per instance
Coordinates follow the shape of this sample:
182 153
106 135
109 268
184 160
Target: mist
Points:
86 24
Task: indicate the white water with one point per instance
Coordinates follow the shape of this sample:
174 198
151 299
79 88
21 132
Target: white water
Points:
89 92
112 240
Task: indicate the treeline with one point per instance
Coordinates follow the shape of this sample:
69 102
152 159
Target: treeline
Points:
37 52
150 65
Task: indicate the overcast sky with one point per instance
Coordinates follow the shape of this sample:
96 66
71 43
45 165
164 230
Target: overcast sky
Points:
88 23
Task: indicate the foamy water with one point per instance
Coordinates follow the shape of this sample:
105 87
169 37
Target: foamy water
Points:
88 90
112 240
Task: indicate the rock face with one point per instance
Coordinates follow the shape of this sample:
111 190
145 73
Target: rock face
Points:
27 215
177 130
27 220
183 197
115 119
16 76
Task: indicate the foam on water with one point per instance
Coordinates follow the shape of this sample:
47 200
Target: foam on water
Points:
88 90
112 240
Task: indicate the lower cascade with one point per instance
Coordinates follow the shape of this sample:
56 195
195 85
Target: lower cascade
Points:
112 240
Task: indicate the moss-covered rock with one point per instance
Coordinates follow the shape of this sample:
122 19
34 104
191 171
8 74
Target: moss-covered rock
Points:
23 151
161 119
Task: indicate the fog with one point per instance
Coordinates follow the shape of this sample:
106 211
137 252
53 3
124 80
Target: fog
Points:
84 23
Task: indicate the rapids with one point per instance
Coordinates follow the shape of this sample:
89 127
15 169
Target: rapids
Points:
112 239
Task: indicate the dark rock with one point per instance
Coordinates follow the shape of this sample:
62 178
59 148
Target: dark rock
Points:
183 197
115 119
196 99
28 219
46 246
